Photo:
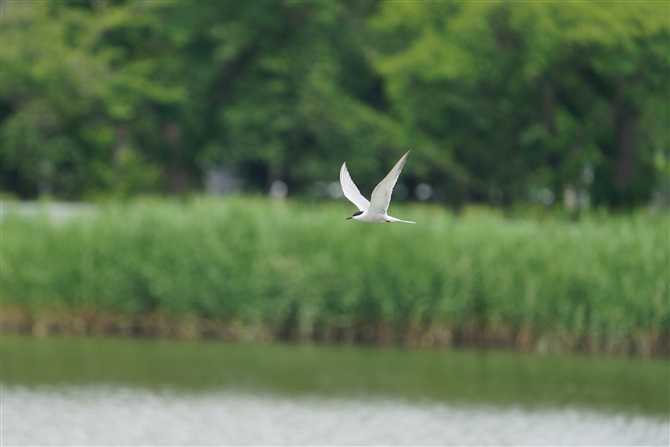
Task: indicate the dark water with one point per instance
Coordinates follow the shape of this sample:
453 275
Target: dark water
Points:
58 391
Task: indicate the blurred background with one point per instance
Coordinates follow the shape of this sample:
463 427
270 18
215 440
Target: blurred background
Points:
501 103
169 177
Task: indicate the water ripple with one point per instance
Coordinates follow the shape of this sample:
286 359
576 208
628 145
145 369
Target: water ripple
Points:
104 415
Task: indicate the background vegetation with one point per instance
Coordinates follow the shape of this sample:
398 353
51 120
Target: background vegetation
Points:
500 101
299 271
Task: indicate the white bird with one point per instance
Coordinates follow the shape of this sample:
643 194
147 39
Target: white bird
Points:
374 211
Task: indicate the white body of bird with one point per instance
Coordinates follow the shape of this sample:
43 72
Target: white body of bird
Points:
376 209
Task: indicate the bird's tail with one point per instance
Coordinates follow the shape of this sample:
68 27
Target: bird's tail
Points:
393 219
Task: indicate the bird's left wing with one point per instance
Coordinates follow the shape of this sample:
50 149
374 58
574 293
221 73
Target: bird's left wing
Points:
381 196
350 190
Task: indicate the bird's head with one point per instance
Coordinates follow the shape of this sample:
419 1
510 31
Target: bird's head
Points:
358 213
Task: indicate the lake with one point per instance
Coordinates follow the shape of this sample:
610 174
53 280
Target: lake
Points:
102 391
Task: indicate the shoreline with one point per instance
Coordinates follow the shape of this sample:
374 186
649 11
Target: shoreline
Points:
15 321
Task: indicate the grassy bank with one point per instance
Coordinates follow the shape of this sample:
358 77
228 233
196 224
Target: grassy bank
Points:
250 268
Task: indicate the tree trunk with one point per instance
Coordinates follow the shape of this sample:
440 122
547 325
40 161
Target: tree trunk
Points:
624 164
121 147
178 177
549 105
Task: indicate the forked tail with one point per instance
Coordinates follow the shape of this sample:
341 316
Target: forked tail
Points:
393 219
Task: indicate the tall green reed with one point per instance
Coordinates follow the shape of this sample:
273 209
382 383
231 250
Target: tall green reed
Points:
302 267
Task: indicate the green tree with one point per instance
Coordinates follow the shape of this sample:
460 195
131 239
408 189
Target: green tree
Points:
69 101
294 94
124 97
173 88
525 94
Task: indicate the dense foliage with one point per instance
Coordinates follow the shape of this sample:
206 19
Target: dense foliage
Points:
290 267
499 100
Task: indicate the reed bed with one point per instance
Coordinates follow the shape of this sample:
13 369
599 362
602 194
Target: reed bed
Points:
250 268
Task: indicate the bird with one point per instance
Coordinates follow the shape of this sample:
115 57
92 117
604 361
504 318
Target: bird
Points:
374 210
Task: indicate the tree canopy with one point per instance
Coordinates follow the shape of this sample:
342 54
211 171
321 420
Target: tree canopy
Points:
498 100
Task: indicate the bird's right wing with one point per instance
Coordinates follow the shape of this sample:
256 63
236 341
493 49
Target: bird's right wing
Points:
350 190
381 196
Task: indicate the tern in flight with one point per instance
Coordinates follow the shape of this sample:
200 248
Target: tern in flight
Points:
375 210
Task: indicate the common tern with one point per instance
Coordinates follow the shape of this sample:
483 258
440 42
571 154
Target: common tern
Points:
374 211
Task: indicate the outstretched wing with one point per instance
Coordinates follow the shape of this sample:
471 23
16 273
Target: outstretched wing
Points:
350 190
381 196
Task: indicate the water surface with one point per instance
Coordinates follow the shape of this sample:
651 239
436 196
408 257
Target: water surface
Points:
59 391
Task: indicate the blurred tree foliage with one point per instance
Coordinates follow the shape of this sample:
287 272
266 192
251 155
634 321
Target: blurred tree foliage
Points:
116 97
531 94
